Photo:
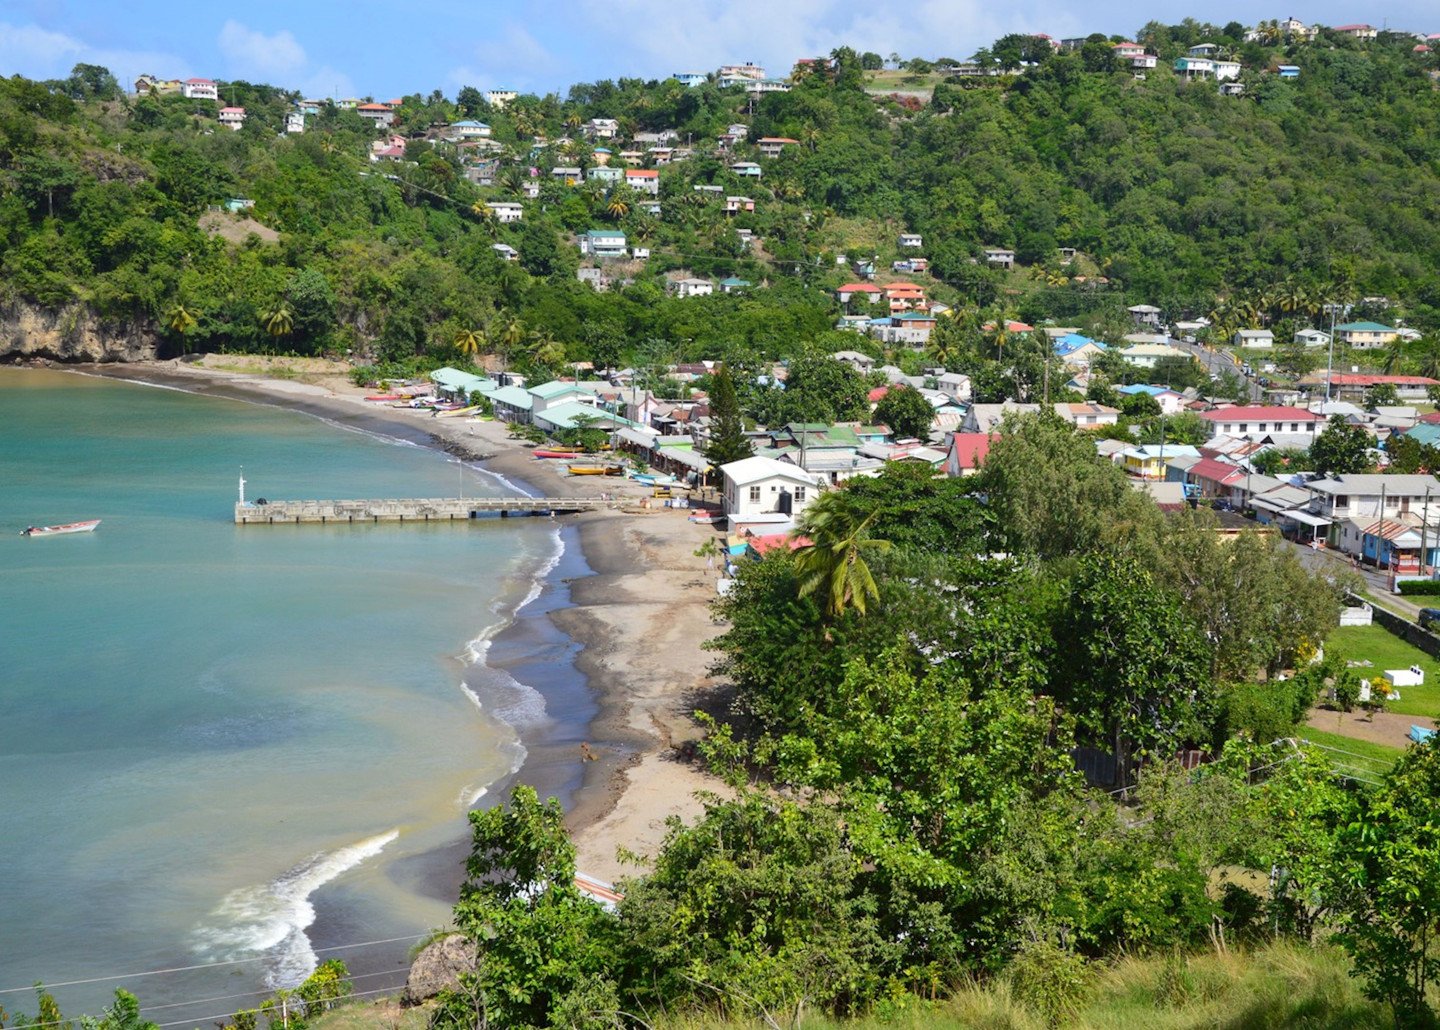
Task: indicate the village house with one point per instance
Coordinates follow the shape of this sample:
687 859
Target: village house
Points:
1226 71
1144 62
1127 50
867 292
911 328
605 175
690 287
232 117
633 159
1357 385
986 418
295 122
1254 422
738 205
1075 349
747 169
1171 401
1288 71
603 243
199 89
762 86
1254 339
468 130
1088 415
498 98
1149 353
1357 31
570 175
506 252
1191 68
910 241
1312 338
760 490
1145 314
1150 461
1364 335
966 453
643 180
728 75
734 285
690 79
602 128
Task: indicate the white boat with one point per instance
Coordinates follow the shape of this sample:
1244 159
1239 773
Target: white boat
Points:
69 527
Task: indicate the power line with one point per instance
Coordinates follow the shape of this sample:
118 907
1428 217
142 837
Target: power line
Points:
204 965
251 994
194 1021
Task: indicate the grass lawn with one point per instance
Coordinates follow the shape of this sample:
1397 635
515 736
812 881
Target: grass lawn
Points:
1370 758
1383 650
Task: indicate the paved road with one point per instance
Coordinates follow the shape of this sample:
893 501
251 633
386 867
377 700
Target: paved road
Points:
1377 583
1217 362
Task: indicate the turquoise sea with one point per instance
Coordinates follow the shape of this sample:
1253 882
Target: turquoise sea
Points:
204 727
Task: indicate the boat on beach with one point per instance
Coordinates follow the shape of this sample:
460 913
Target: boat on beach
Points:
62 530
557 452
458 412
595 470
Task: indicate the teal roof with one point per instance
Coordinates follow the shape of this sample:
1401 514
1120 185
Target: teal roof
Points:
732 281
555 388
454 379
1425 433
513 396
1363 327
573 414
605 234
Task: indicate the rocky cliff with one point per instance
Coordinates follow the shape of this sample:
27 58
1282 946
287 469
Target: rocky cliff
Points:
72 333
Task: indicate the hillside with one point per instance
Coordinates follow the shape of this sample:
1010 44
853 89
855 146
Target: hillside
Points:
1180 197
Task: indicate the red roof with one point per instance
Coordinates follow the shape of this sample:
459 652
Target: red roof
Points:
1361 379
778 139
373 107
763 545
1260 413
199 82
970 449
640 173
1215 471
1013 327
904 288
1351 28
877 394
858 288
1431 418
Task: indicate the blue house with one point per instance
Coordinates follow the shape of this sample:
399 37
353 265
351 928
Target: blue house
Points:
1076 349
1289 71
690 79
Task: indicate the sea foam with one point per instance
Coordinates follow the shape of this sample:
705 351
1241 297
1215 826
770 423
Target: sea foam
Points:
270 919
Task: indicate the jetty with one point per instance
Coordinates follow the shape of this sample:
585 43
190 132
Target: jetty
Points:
419 509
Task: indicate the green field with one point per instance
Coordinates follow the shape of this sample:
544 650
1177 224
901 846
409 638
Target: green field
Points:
1383 650
1368 761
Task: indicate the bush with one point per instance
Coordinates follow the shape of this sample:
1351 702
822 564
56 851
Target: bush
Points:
1266 711
1050 979
1420 587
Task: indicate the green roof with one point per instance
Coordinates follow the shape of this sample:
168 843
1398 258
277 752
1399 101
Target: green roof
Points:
513 396
454 379
573 414
1363 327
605 234
554 388
1425 433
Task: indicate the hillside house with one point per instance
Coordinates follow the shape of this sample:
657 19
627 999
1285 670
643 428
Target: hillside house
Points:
232 117
986 418
966 453
738 205
603 243
1144 62
1364 335
1075 349
498 98
505 212
199 89
1192 68
1125 51
762 86
1227 71
1357 31
643 180
773 146
1357 385
868 292
1145 314
1171 401
911 265
570 175
690 287
1312 338
734 285
505 251
728 75
1001 257
1288 71
602 128
469 129
690 79
1088 415
295 122
910 241
379 115
605 175
1232 89
911 328
747 169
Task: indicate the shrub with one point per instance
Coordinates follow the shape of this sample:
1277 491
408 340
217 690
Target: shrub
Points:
1420 587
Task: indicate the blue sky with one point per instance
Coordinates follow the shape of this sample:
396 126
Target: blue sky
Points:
365 47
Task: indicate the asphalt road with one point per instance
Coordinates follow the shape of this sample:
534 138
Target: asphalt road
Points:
1377 583
1217 362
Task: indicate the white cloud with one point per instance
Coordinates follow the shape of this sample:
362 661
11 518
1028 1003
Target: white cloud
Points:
327 82
277 59
513 60
42 54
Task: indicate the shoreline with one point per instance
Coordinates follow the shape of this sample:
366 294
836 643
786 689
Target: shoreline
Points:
645 674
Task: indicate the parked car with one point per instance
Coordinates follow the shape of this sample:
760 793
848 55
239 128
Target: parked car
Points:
1429 617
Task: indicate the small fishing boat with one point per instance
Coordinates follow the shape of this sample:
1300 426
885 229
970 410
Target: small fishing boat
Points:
69 527
706 518
458 412
555 452
383 397
595 470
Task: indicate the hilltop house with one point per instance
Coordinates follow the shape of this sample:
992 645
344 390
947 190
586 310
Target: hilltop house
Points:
379 115
233 117
603 243
505 211
1358 31
199 89
911 241
690 79
498 98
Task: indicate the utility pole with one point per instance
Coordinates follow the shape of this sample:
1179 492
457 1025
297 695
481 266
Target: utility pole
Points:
1425 525
1330 364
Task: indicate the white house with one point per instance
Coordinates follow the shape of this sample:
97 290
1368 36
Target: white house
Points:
602 128
199 89
382 116
498 98
690 287
1253 339
295 121
1312 338
470 130
1225 70
643 180
233 117
765 490
911 241
505 211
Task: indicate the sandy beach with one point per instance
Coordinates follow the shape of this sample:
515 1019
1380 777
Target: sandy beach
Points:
641 619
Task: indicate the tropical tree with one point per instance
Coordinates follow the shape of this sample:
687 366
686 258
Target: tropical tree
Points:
833 563
180 319
468 342
279 320
618 207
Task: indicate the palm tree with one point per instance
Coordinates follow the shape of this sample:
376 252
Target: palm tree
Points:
468 341
180 319
279 321
1427 356
1394 356
618 207
572 122
833 562
513 179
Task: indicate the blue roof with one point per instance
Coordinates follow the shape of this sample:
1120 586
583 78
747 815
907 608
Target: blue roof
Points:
470 125
1134 388
1073 342
1424 433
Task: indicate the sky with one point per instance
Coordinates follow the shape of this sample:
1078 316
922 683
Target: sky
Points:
368 48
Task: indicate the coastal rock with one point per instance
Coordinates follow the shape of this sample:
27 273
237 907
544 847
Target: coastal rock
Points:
438 967
73 333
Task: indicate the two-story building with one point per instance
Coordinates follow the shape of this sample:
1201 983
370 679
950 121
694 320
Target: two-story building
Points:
773 146
603 243
505 211
232 117
498 98
1365 335
1255 422
643 180
199 89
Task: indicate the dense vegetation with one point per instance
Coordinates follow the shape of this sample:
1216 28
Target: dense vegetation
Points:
1325 187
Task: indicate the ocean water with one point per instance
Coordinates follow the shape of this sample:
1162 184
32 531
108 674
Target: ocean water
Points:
205 727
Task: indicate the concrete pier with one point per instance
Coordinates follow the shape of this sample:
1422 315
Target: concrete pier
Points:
425 509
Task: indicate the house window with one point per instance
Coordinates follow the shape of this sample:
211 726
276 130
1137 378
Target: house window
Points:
1244 427
1342 502
1294 427
755 495
799 493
